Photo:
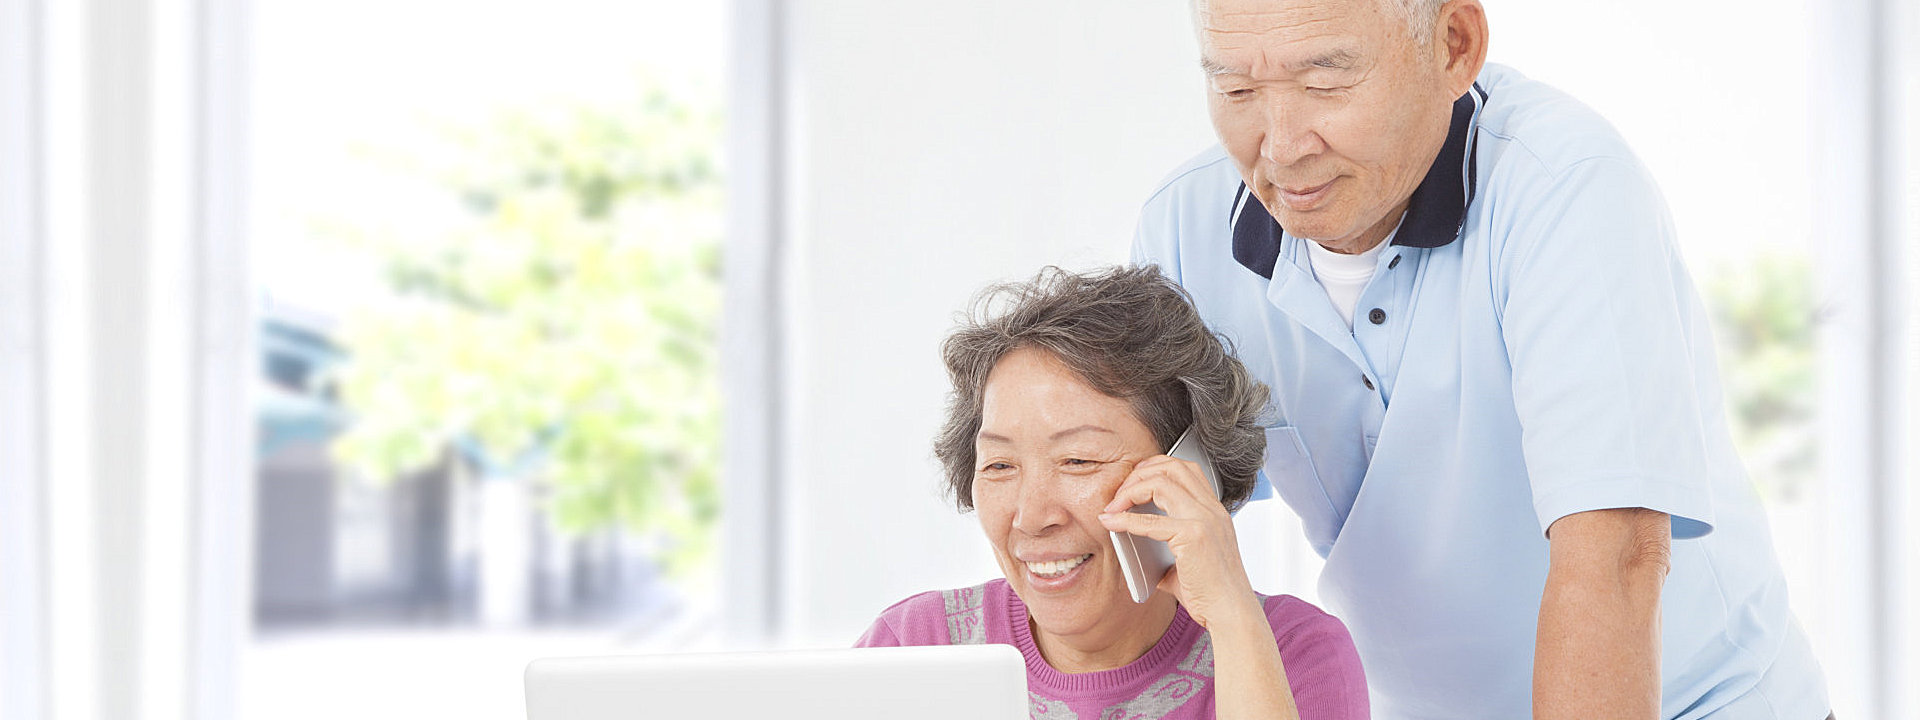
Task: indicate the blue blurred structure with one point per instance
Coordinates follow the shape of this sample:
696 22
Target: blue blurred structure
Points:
334 549
298 401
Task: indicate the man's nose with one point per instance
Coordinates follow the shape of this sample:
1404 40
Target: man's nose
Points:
1040 506
1291 132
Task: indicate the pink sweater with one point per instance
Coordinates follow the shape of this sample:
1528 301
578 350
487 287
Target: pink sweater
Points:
1174 680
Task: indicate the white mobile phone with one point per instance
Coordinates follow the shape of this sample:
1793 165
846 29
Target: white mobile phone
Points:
1145 560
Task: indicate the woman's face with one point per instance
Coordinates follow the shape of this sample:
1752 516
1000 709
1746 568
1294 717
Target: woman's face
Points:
1050 454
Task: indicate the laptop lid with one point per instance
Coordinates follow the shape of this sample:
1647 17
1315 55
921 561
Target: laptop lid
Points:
959 682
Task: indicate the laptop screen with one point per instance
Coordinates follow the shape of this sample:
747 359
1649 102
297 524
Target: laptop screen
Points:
967 682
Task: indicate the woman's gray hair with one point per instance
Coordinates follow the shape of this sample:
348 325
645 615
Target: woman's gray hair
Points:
1130 333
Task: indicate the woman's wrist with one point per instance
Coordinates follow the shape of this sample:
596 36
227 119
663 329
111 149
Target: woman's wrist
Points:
1250 676
1243 613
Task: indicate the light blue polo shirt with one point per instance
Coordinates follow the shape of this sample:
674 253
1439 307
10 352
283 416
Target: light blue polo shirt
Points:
1529 347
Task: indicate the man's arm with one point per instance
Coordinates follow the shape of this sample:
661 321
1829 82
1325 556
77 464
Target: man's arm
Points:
1597 654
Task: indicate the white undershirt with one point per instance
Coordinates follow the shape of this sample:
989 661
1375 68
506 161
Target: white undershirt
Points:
1344 276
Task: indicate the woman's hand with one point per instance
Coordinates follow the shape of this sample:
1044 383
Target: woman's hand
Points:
1208 577
1210 581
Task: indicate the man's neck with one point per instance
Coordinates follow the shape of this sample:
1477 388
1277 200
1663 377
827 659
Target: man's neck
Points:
1374 235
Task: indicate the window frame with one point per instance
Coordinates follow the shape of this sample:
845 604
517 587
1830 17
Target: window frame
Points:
23 572
754 524
1857 121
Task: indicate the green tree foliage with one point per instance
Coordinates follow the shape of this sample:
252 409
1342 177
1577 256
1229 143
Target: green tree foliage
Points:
1765 317
565 327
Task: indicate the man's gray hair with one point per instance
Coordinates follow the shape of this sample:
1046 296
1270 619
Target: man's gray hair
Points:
1419 15
1130 333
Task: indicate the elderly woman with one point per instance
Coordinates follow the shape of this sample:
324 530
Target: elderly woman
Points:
1067 392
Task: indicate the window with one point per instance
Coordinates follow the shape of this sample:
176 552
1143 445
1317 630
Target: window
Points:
487 403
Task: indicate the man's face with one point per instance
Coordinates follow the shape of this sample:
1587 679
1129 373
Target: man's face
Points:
1331 109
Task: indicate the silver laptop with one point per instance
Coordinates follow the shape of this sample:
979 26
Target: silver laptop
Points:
961 682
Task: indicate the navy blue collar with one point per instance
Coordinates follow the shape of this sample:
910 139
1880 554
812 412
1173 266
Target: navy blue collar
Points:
1434 213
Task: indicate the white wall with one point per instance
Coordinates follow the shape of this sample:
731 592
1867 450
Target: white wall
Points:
1713 99
936 147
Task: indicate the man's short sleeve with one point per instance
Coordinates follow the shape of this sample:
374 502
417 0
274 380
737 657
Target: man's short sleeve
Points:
1155 237
1613 369
1137 255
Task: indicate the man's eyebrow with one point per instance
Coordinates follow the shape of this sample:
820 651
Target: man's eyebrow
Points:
1214 69
1335 59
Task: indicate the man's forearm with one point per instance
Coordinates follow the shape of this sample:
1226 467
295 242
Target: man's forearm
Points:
1598 648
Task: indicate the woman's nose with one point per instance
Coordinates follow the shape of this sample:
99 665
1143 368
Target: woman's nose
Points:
1040 506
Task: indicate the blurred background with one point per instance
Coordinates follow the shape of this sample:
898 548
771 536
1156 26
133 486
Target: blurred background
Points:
357 353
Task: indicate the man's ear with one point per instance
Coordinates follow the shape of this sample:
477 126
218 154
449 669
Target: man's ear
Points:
1461 30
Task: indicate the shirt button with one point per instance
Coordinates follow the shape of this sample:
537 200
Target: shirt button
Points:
1377 316
1368 381
1393 262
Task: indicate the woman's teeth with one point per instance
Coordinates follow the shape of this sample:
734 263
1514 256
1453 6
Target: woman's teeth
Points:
1056 568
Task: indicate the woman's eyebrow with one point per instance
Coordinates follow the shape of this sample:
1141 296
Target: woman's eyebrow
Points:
984 436
988 436
1082 428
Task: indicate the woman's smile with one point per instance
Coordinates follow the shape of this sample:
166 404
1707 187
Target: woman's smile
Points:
1054 575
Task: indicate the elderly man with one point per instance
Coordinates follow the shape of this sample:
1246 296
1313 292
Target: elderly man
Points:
1497 411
